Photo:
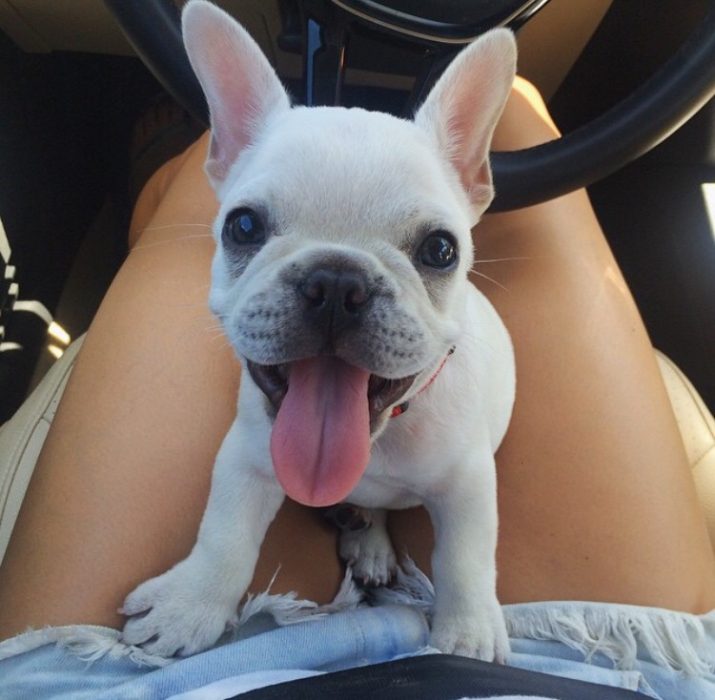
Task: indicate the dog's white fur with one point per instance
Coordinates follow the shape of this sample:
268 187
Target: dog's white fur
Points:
361 186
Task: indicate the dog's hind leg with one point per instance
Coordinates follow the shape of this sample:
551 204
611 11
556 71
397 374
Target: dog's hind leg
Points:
368 550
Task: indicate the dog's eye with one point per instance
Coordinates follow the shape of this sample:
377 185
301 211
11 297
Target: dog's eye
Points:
438 250
243 227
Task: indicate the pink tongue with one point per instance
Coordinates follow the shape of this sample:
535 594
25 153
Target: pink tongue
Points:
321 436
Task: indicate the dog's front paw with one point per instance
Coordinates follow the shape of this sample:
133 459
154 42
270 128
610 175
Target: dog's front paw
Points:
480 633
371 555
176 614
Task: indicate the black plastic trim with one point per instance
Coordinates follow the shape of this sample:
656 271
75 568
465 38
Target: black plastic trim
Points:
153 28
684 84
522 178
436 676
468 20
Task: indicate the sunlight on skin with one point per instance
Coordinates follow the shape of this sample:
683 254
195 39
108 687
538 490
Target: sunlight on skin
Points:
532 96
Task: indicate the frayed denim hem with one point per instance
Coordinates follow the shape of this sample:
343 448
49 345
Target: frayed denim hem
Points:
92 642
622 633
661 653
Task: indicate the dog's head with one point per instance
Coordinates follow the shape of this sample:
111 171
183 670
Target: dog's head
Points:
343 237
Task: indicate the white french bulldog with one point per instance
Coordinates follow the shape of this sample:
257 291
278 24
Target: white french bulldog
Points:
340 276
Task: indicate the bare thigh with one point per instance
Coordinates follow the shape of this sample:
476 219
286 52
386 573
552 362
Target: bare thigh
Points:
123 478
595 497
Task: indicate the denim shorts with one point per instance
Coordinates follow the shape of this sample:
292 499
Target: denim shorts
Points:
659 653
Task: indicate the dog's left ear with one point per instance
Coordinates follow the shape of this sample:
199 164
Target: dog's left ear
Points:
464 106
241 87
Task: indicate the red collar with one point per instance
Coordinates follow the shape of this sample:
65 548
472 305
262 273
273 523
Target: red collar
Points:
401 408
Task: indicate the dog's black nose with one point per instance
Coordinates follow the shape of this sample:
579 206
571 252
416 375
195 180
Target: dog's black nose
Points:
335 296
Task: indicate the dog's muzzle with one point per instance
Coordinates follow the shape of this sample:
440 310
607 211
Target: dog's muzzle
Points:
382 393
336 298
327 403
321 435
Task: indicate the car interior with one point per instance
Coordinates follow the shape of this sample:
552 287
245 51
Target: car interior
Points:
98 94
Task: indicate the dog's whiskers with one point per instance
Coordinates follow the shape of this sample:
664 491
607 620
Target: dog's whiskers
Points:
168 226
213 339
486 277
493 260
172 240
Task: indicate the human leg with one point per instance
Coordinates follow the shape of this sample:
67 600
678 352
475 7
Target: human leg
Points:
122 481
596 500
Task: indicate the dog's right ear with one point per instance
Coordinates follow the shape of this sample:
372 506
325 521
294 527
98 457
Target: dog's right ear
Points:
240 85
462 110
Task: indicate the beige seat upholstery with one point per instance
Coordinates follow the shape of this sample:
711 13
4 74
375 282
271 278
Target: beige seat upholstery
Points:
697 428
22 437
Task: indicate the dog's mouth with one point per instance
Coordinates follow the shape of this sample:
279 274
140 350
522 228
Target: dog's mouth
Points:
326 413
382 393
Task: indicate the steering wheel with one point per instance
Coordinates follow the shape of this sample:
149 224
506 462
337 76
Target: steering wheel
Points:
626 131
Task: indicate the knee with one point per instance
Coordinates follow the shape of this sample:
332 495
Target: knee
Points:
526 120
530 93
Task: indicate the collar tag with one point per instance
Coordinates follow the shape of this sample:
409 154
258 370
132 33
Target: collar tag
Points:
399 409
402 407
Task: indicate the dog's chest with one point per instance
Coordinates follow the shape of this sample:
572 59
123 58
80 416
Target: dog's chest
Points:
407 464
384 492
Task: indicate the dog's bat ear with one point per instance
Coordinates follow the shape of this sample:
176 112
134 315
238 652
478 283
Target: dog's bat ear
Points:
240 85
464 106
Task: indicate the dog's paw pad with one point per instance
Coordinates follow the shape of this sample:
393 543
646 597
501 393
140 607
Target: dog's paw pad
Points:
481 635
137 603
170 616
371 555
159 636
